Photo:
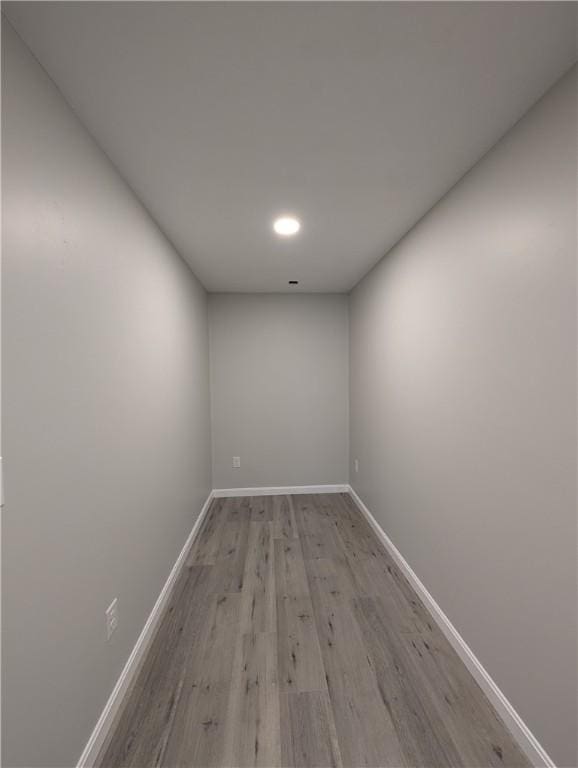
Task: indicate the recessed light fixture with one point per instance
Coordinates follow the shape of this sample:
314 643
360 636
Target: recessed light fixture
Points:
286 226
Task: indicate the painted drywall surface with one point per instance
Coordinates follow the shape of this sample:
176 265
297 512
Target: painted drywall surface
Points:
463 411
279 389
106 418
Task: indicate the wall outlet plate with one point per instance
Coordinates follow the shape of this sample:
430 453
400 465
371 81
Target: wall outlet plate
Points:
356 465
111 615
236 462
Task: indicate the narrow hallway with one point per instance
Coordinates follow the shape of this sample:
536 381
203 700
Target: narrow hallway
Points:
293 639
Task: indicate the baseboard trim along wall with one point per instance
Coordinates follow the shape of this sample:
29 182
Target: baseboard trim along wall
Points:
280 490
128 674
519 730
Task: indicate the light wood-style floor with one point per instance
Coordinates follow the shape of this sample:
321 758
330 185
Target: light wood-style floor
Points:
292 639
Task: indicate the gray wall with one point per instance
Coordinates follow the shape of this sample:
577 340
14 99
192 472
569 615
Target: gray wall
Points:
106 418
279 389
463 411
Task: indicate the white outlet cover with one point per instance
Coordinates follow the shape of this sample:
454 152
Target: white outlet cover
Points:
111 615
236 462
356 464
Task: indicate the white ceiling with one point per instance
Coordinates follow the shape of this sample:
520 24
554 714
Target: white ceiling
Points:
357 117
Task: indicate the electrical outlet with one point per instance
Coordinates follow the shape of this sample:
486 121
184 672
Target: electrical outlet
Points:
111 615
356 465
236 462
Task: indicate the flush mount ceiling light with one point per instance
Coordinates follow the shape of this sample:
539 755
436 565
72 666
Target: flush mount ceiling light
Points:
286 226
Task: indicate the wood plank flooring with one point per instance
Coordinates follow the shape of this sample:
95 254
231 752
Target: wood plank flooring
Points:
293 639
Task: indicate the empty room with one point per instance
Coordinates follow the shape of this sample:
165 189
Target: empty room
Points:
289 384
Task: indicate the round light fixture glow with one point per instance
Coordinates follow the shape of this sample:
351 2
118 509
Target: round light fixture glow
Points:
286 226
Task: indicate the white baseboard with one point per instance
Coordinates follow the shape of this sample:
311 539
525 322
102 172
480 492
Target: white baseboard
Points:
107 717
279 490
519 730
